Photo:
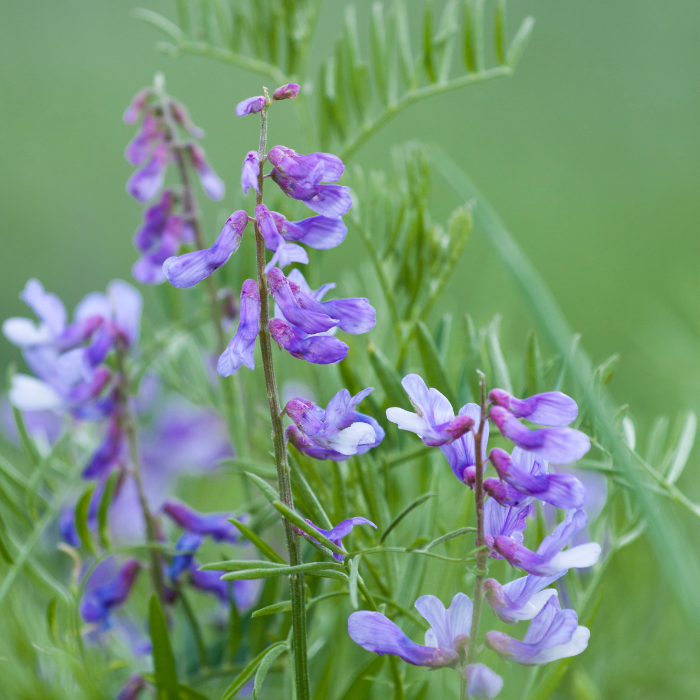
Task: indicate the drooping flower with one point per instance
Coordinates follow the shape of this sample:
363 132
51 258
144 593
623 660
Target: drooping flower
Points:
187 270
342 529
286 92
186 546
317 349
148 136
284 253
321 232
250 172
447 636
148 269
102 597
211 183
251 105
241 349
553 634
146 182
214 525
434 420
521 599
552 408
336 433
482 682
508 522
137 106
549 559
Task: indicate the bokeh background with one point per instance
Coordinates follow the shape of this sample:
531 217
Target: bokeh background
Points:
591 154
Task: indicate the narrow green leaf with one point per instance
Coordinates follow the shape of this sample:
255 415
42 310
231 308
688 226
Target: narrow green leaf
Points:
501 376
262 546
442 335
239 565
286 605
265 666
186 693
474 35
270 572
605 371
81 519
163 659
404 513
223 21
103 509
160 22
428 40
4 551
264 487
51 621
356 67
297 520
247 673
445 40
435 369
25 439
534 371
388 377
352 580
183 16
13 475
309 498
235 627
517 46
360 685
657 440
403 37
683 448
499 28
379 53
448 536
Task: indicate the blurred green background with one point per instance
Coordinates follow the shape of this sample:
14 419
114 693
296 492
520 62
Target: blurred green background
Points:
591 154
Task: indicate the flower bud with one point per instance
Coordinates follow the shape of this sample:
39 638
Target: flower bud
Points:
286 92
251 105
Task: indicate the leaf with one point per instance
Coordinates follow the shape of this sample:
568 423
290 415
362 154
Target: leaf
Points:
270 572
82 510
247 673
25 439
404 513
428 41
434 366
163 659
297 520
448 536
499 28
404 43
263 547
51 621
238 565
186 693
265 666
683 448
501 374
160 22
474 35
360 685
103 509
605 371
534 371
445 40
264 487
442 335
312 503
352 580
380 57
388 377
520 40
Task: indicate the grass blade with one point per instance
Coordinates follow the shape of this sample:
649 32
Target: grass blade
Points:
163 659
404 513
247 673
262 546
265 666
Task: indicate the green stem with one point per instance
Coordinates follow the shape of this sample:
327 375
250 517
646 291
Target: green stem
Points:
284 483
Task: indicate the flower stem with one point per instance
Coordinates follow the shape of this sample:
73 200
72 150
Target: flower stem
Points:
482 554
129 426
284 484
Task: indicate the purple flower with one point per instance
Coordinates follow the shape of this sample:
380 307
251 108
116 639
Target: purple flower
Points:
321 232
317 349
212 184
148 136
507 522
251 105
482 682
155 219
187 270
553 634
434 420
447 636
145 183
527 474
182 117
214 525
109 453
551 408
149 268
461 453
558 445
285 253
315 166
132 688
101 598
336 433
549 559
241 349
521 599
342 529
250 172
186 547
137 106
286 92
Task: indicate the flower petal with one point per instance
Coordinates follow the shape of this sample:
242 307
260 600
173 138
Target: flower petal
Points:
241 349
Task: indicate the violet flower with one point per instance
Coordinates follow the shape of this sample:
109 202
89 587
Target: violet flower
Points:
146 138
521 599
321 232
250 172
110 451
100 600
148 269
145 183
447 636
342 529
317 349
285 253
336 433
507 522
549 559
137 106
553 634
558 445
434 420
132 688
187 270
186 546
182 117
551 408
527 474
286 92
251 105
482 682
211 183
241 349
214 525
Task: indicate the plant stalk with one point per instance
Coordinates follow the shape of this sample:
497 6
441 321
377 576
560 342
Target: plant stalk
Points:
284 484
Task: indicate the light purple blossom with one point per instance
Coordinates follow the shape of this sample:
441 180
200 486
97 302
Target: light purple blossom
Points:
527 474
186 546
551 408
101 598
447 636
212 184
286 92
182 117
284 253
146 138
110 451
317 349
137 106
559 445
214 525
250 172
553 634
521 599
145 183
342 529
482 682
321 232
549 558
154 222
148 269
434 420
507 522
132 688
187 270
241 349
336 433
251 105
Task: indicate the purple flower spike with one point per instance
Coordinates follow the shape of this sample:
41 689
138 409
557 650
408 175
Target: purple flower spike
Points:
434 420
187 545
241 348
549 559
214 525
521 599
286 92
138 104
554 634
187 270
342 529
250 172
212 184
145 182
552 408
321 232
309 321
251 105
97 603
317 349
132 689
483 682
558 445
525 473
